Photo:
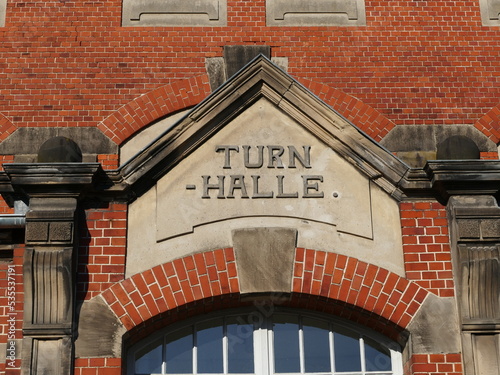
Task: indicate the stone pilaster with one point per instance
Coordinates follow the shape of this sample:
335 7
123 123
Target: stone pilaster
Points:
53 191
475 231
469 188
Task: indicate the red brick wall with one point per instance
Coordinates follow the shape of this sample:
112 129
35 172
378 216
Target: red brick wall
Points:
359 284
98 366
70 63
102 249
426 246
434 364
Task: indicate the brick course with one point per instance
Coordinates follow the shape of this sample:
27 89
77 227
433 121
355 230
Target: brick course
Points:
426 247
69 63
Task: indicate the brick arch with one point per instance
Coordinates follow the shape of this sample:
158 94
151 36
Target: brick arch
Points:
323 281
365 117
489 124
6 127
370 295
133 116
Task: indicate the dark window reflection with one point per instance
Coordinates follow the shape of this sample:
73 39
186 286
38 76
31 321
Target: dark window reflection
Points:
286 343
316 345
209 347
377 358
347 352
240 346
179 352
149 359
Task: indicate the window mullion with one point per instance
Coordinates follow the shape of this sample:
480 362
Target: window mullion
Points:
332 352
195 351
164 356
225 353
264 349
301 347
362 354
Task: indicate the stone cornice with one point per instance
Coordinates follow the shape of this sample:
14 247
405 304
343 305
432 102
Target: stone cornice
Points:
48 179
463 177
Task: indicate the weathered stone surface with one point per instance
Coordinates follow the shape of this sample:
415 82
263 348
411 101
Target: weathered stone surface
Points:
264 257
59 150
99 331
476 264
281 62
3 8
464 177
174 13
457 147
236 57
48 265
25 142
3 348
61 231
339 193
351 211
435 328
490 228
262 79
50 356
486 349
48 290
141 139
315 12
37 232
490 12
415 144
216 70
469 229
478 283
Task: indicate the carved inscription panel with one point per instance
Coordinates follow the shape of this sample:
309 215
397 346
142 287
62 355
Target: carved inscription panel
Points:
315 12
174 13
263 165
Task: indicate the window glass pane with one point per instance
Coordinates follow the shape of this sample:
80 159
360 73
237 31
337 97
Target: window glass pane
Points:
347 353
286 343
209 344
377 358
316 345
179 352
148 360
240 346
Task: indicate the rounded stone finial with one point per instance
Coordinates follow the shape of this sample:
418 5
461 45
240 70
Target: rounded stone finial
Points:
59 150
457 147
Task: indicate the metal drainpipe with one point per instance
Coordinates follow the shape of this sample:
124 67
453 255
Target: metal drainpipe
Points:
12 221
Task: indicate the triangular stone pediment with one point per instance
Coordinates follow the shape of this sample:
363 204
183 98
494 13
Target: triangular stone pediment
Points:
261 79
262 151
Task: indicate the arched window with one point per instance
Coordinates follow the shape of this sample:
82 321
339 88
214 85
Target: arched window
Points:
256 342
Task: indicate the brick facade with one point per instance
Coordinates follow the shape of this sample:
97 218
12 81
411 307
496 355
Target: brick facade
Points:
71 64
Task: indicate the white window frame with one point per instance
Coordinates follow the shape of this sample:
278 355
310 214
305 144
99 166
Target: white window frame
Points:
263 342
